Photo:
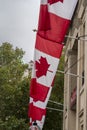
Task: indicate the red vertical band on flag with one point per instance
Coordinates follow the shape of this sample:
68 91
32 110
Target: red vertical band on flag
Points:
49 47
59 28
36 113
54 1
55 27
44 19
38 91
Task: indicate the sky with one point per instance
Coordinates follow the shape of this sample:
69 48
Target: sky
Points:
17 20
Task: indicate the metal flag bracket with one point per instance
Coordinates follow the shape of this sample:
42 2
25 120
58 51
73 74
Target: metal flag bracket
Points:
34 126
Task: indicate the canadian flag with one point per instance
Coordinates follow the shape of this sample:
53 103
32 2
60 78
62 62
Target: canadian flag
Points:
54 20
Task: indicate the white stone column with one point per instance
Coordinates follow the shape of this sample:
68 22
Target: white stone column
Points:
71 115
85 88
78 88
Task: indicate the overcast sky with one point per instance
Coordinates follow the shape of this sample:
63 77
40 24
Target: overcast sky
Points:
17 20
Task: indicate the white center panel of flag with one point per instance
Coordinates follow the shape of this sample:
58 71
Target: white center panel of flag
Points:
64 10
53 62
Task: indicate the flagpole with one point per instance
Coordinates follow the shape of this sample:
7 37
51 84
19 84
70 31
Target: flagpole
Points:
54 109
71 74
55 102
77 38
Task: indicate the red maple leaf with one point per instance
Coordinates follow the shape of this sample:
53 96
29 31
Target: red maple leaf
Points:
54 1
41 67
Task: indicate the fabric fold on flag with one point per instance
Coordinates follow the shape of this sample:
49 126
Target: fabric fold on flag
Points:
48 46
54 20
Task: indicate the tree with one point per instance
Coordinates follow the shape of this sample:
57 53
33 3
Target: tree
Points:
13 89
14 92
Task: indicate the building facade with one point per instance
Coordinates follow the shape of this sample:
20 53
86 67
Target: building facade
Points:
75 79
